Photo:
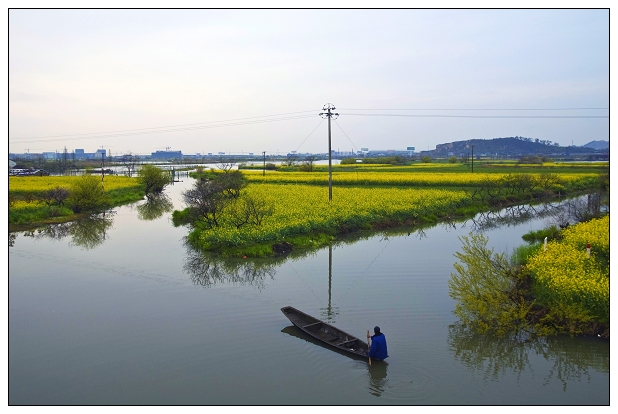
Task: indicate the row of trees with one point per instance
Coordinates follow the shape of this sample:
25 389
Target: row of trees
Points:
516 185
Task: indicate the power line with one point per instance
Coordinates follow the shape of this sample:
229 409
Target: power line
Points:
346 135
310 134
474 109
173 128
488 116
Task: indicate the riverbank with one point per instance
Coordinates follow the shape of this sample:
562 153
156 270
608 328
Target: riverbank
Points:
559 285
304 218
31 204
295 210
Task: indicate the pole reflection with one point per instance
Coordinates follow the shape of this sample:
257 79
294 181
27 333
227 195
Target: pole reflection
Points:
329 313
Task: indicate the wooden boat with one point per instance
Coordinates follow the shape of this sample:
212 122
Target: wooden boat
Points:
326 333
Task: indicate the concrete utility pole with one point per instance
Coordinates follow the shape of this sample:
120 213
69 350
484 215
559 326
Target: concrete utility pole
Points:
329 114
264 168
102 169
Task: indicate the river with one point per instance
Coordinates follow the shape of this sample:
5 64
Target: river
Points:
117 310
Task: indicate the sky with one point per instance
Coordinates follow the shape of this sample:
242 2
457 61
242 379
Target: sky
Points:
253 80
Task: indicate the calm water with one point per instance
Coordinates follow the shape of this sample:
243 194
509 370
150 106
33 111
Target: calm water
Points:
117 310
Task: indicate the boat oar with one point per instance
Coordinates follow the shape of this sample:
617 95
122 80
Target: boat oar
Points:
368 347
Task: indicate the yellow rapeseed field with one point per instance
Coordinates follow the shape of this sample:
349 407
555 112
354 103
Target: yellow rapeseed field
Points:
305 209
565 274
393 178
22 185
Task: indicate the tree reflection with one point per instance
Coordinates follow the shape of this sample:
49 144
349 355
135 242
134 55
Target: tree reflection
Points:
511 216
207 270
561 213
52 231
492 355
154 207
87 233
497 356
91 231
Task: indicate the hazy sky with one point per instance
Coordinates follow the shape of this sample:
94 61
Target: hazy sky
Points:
256 80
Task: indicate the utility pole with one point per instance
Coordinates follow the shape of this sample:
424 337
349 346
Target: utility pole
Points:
102 169
329 114
264 168
472 158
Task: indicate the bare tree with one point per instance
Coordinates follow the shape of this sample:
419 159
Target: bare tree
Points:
55 196
129 162
205 201
290 160
307 164
249 210
225 165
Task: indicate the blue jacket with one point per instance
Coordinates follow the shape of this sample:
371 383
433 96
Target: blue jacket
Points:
378 347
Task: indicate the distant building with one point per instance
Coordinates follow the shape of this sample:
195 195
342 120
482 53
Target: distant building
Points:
166 155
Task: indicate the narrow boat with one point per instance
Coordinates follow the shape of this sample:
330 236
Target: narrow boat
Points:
326 333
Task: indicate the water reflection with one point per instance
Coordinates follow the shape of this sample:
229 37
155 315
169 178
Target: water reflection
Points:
208 270
498 357
154 207
87 233
377 377
376 372
562 213
330 312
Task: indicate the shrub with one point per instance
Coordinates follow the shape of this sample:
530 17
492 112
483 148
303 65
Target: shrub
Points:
153 179
87 194
485 287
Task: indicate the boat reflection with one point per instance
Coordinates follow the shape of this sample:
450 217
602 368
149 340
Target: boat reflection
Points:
376 372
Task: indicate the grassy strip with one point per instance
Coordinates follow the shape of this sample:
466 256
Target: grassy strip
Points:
380 196
303 216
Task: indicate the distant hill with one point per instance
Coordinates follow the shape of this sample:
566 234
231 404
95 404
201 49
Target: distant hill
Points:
597 145
505 147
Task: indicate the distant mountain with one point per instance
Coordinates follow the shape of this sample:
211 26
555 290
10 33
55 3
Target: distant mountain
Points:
597 145
511 146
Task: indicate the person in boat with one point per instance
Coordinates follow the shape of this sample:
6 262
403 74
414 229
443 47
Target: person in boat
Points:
378 349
